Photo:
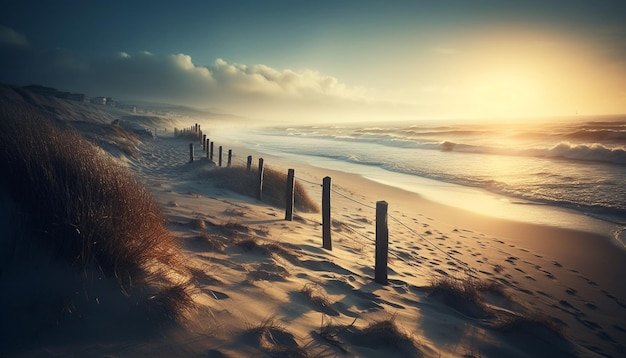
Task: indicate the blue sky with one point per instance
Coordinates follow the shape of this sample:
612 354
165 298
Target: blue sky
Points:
336 59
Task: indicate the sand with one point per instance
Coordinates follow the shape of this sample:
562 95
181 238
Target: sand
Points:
264 286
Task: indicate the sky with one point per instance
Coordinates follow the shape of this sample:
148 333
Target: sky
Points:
328 60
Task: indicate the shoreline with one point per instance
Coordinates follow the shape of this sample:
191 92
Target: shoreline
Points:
566 246
468 198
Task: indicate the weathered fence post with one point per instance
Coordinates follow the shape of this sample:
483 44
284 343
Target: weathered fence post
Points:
289 198
382 243
219 158
249 164
155 132
260 174
212 150
190 152
203 142
326 240
206 145
196 130
230 158
175 132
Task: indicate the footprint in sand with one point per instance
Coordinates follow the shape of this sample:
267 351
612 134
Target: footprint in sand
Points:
570 291
591 306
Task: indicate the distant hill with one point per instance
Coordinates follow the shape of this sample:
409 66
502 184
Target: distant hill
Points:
75 107
46 99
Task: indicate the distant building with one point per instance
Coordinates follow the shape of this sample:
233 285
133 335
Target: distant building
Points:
99 100
110 101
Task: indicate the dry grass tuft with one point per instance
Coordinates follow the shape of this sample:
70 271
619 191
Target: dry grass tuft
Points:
535 321
318 297
268 272
275 340
208 242
464 295
250 244
387 332
171 302
232 229
275 248
239 180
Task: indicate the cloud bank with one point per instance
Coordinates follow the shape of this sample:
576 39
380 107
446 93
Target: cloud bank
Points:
256 90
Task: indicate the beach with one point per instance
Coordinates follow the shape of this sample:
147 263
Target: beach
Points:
550 270
262 285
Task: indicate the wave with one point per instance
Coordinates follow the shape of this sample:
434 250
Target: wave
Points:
564 150
580 152
593 153
524 195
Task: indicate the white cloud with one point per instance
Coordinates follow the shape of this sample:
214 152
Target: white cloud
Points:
11 37
255 90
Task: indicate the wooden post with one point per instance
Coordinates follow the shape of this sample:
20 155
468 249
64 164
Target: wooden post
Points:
289 198
196 129
203 142
260 175
230 158
382 243
326 240
190 152
206 145
219 158
175 132
155 133
212 150
249 164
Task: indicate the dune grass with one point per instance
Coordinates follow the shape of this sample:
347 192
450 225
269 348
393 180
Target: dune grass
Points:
276 340
80 208
531 321
386 332
239 180
464 295
380 334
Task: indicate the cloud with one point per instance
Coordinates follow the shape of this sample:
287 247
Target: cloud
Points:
239 88
11 37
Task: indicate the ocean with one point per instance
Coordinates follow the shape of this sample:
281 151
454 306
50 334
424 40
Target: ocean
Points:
568 172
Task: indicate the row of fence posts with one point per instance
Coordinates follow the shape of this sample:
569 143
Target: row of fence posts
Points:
207 148
382 228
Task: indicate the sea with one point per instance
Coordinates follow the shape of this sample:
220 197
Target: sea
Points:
568 172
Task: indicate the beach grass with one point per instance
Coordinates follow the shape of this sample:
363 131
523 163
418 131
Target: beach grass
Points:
83 212
464 295
240 180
